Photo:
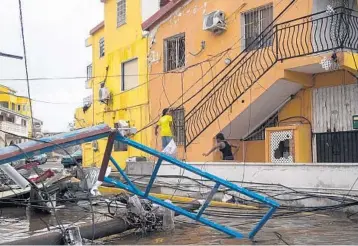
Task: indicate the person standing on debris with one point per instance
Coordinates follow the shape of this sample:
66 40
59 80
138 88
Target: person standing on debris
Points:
166 124
224 147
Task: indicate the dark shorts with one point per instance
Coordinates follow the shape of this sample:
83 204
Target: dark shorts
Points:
166 141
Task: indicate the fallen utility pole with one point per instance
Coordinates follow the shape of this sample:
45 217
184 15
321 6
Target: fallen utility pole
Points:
11 56
28 149
89 231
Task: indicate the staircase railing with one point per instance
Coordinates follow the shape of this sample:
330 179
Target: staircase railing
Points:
316 33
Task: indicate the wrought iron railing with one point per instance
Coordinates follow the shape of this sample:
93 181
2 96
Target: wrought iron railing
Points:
321 32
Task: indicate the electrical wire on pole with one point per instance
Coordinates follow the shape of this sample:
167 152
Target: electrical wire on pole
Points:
26 67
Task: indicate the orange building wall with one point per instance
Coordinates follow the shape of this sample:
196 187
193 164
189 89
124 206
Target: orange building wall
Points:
167 89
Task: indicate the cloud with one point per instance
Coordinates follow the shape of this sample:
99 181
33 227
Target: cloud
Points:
55 33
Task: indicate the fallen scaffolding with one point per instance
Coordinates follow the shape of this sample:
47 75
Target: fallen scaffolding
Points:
36 147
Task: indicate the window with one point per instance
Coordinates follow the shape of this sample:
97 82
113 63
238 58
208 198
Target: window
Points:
119 146
23 107
89 72
4 104
179 126
13 106
101 47
18 107
121 12
255 22
174 52
130 74
259 133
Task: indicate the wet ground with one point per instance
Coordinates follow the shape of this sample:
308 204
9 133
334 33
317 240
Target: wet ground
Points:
17 223
20 223
298 229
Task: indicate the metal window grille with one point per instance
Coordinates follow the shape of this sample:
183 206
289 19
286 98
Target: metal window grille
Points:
101 47
179 126
174 52
119 146
121 12
4 104
259 133
255 22
89 72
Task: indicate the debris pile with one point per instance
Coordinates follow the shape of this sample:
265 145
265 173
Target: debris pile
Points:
143 214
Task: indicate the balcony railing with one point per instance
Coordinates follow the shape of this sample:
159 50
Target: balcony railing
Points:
13 128
321 32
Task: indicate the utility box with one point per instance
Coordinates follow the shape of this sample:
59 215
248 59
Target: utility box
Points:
355 122
145 169
139 167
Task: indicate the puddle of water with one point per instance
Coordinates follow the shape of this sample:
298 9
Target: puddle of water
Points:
19 223
303 230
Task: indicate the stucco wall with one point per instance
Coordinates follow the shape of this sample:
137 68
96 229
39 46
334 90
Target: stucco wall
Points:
337 176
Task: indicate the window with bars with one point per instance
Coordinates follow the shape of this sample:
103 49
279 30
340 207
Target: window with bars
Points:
89 72
101 47
174 52
4 104
259 133
121 12
255 22
119 146
179 126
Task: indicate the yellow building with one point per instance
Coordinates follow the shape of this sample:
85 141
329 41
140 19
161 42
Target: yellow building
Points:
119 64
21 106
9 100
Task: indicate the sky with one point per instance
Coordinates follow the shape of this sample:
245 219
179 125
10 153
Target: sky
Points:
55 34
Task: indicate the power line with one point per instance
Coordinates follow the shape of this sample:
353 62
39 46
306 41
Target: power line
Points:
222 71
113 76
26 67
11 56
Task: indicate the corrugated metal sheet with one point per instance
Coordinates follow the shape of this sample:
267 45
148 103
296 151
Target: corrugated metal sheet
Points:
333 108
337 147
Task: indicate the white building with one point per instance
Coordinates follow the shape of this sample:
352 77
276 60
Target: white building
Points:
12 124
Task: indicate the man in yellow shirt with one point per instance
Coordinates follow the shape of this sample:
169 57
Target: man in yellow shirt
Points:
166 124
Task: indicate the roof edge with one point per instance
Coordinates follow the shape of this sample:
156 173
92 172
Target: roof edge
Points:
161 14
97 28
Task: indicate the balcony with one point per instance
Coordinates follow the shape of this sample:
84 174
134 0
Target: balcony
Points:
13 128
89 77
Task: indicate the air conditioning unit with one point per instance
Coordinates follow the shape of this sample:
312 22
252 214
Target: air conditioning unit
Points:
215 22
124 128
104 95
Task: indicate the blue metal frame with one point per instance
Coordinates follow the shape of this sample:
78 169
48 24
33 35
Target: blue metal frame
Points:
273 205
12 153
